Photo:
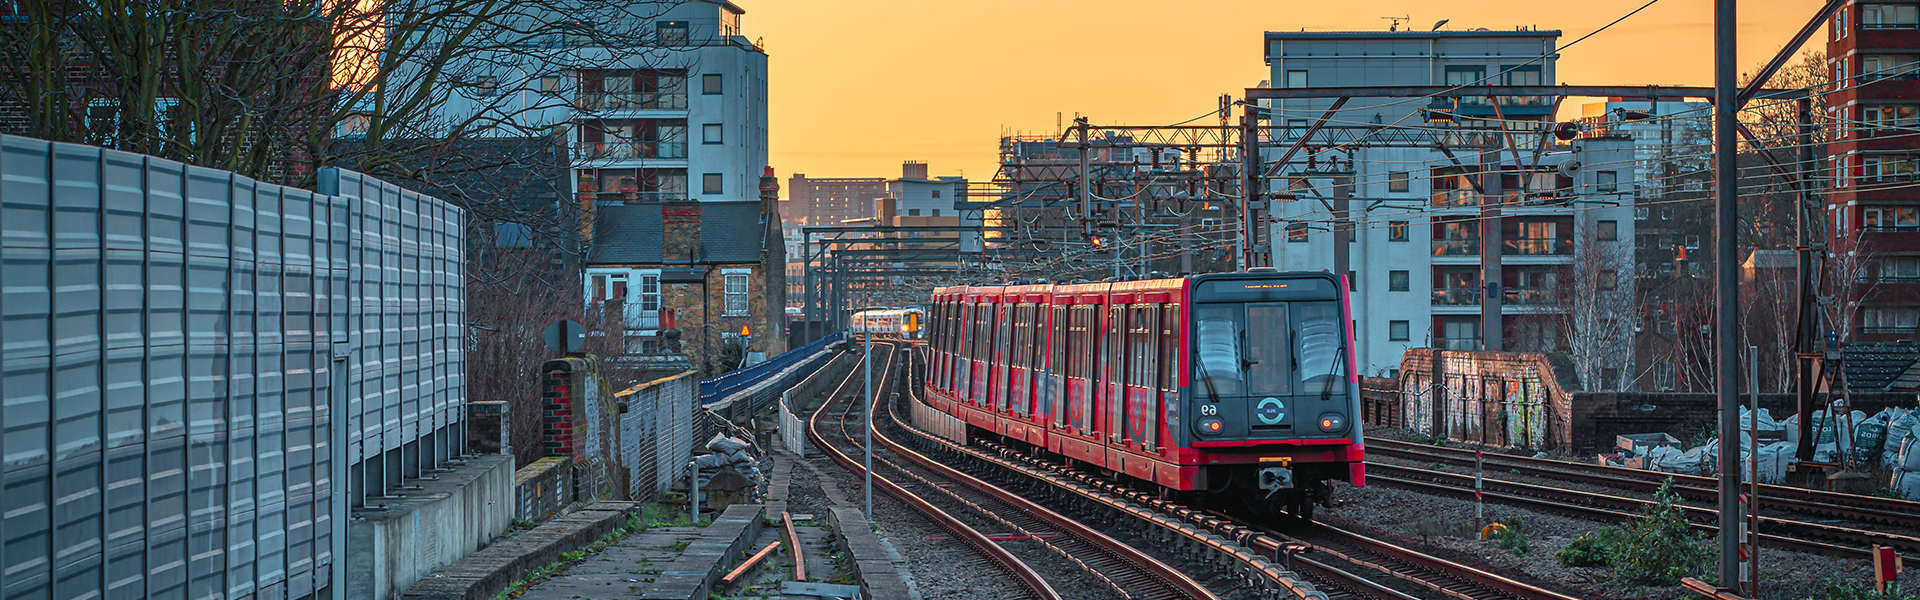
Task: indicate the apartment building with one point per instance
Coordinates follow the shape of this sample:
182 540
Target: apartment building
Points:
1873 50
820 202
1419 218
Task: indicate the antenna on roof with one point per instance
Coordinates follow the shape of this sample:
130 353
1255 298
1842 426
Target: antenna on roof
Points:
1396 22
1438 24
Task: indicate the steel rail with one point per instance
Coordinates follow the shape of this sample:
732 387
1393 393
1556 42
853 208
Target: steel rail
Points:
1614 508
1019 570
1267 541
1167 574
1875 509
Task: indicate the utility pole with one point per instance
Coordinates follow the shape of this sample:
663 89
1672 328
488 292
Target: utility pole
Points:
1251 182
1726 107
1492 330
1808 328
1343 226
867 415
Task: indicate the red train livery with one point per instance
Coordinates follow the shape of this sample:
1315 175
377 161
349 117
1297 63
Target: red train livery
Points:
1229 384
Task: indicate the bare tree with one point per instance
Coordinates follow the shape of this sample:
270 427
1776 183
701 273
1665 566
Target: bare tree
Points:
509 307
1600 308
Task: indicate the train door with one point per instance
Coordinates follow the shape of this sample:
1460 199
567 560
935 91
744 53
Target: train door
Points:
1002 355
1142 357
963 346
1169 392
1021 370
1081 324
1113 350
982 353
1053 396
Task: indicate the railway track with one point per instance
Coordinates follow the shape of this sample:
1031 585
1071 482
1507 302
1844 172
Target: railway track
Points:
1071 551
1790 534
1341 564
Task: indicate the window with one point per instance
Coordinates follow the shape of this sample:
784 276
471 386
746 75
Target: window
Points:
1396 231
1898 218
736 291
1465 75
1609 280
1296 79
710 84
913 212
1297 233
649 291
1296 128
711 183
550 84
486 85
936 193
673 33
1399 331
1663 377
1889 16
1900 269
711 133
1641 212
1889 117
1608 231
1876 67
1839 24
1397 281
1881 169
1398 181
1888 319
1521 75
1607 181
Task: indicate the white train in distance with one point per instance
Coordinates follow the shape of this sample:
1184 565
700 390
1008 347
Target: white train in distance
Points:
903 323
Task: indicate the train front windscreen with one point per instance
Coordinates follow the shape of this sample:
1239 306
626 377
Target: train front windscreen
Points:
1269 360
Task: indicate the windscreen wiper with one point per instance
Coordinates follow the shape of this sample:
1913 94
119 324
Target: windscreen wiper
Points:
1326 391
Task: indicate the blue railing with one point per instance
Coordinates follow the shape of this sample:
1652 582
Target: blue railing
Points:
712 390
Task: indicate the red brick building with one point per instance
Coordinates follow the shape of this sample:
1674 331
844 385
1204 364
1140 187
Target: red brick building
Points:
1873 50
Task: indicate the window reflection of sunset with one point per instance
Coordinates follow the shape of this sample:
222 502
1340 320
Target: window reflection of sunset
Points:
358 39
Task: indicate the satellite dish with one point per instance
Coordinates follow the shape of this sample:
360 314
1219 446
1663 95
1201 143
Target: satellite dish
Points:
1436 25
1568 168
566 336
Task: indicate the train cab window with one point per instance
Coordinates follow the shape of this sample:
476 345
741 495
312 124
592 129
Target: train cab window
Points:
1321 354
1269 368
1218 332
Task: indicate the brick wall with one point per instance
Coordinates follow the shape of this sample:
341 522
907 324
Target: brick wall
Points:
1502 399
543 488
1380 403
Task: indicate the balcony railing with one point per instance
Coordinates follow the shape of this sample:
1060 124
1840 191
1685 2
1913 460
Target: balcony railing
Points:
643 197
1528 297
1456 297
1456 198
1892 228
1472 343
629 150
1466 247
1887 279
1889 330
676 100
1536 247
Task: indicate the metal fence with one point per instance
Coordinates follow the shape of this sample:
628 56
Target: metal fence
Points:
179 346
715 389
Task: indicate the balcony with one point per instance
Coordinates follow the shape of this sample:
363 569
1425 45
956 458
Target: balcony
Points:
1465 247
1472 343
607 101
1456 297
1528 297
1889 330
648 197
1456 198
629 150
1536 247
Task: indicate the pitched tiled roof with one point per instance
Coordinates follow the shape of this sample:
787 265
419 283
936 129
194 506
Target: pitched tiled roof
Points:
730 232
1882 366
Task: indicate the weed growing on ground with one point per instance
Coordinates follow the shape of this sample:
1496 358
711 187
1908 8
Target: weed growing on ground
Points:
1513 539
1660 548
1588 550
633 525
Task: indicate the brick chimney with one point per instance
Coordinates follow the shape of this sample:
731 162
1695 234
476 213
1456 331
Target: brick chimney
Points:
769 192
913 169
680 231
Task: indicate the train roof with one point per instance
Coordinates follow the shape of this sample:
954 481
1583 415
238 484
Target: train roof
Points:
1118 287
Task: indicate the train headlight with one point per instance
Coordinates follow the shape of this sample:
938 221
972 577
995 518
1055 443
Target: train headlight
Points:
1211 426
1332 422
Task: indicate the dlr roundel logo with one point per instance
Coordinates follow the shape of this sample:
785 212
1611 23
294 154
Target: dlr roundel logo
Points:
1270 411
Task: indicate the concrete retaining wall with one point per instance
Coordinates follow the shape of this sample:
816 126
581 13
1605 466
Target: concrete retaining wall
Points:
877 568
457 513
724 544
488 572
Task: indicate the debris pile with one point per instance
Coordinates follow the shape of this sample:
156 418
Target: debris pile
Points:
729 473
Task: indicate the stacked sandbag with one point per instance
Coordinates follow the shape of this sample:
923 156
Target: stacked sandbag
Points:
1868 436
1900 424
1906 478
728 453
1774 462
1698 461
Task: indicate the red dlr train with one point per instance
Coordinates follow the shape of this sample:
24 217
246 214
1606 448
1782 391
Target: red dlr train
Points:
1235 386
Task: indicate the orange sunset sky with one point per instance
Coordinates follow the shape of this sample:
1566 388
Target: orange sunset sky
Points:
857 86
